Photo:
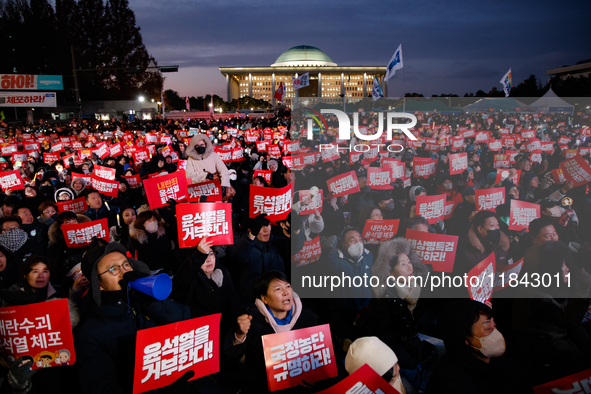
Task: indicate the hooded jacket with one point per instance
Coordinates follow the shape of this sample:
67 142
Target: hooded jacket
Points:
209 162
153 249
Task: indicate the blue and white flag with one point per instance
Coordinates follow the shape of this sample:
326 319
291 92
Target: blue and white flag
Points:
376 91
394 64
507 82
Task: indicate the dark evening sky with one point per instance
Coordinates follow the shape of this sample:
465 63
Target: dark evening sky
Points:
448 47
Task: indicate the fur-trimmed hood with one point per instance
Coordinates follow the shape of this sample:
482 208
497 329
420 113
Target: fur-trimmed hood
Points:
141 235
192 153
55 233
394 247
474 240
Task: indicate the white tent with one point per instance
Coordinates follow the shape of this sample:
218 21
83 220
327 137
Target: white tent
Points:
550 102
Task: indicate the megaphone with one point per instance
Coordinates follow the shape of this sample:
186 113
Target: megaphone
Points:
157 286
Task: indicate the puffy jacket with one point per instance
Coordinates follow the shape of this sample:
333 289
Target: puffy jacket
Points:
198 166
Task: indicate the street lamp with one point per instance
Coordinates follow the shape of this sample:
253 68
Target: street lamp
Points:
141 98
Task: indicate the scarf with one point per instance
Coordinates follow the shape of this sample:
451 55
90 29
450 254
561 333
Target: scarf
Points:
296 311
13 240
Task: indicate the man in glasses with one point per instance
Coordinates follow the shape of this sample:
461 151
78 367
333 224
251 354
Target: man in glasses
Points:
105 341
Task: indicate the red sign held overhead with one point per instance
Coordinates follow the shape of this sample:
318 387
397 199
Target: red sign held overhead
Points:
423 167
50 158
11 180
266 174
311 252
458 162
310 205
104 172
211 189
379 179
133 180
292 356
522 213
503 173
199 220
77 235
163 188
480 279
577 170
164 354
489 199
276 203
365 380
431 208
438 250
77 205
105 186
42 331
344 184
377 231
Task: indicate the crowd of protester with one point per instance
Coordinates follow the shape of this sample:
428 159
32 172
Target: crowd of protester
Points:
419 341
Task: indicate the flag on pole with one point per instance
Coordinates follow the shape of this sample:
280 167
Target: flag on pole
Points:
162 101
302 81
187 103
507 82
394 64
376 91
280 92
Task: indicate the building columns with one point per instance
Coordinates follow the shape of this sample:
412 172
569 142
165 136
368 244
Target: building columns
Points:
273 89
250 84
364 85
343 90
319 85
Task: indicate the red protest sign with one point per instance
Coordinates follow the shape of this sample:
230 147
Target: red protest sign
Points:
495 145
354 157
104 186
11 180
31 146
276 203
364 380
378 178
133 180
501 161
577 383
267 174
291 147
423 167
528 134
489 199
576 170
104 172
311 252
480 279
438 250
505 273
116 149
482 136
330 154
457 143
77 205
162 188
262 146
458 162
198 220
237 154
431 208
140 155
42 331
558 176
274 150
85 177
212 189
8 149
163 354
503 173
313 204
77 235
50 158
377 231
344 184
564 140
522 213
313 359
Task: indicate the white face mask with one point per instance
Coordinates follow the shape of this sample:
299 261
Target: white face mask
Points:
492 345
355 250
151 227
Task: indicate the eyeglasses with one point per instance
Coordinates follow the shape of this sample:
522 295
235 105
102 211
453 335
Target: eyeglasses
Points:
116 270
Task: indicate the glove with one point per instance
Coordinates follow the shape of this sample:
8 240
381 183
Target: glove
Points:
19 376
171 202
331 244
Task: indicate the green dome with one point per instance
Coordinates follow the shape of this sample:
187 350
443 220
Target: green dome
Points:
303 55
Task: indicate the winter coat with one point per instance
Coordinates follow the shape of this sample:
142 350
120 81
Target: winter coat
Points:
105 342
473 248
463 373
199 165
103 213
253 377
38 239
153 249
256 257
205 295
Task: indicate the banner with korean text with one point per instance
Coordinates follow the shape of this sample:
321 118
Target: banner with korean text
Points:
458 162
576 170
11 180
77 235
32 99
276 203
310 252
577 383
439 250
344 184
164 354
163 188
379 178
480 279
104 186
292 356
104 172
522 213
377 231
199 220
431 208
77 205
211 189
310 204
363 381
41 331
489 199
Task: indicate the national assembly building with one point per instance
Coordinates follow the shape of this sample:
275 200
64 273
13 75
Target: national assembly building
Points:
327 80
